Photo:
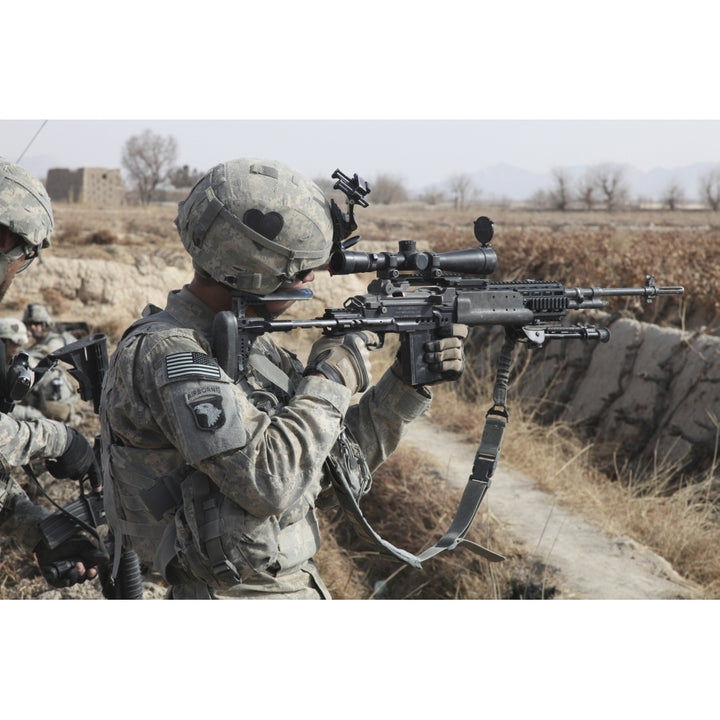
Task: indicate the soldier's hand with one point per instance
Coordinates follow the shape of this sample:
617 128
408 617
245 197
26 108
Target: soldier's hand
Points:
344 359
446 355
74 561
77 461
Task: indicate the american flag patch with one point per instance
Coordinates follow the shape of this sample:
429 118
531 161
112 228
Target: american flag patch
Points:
191 364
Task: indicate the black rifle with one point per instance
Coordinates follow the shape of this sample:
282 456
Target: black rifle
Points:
89 361
420 296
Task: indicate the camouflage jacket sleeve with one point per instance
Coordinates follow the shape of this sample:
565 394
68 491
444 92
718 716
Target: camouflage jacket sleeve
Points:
176 395
379 420
21 440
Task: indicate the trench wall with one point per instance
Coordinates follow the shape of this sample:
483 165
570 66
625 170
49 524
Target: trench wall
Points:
651 394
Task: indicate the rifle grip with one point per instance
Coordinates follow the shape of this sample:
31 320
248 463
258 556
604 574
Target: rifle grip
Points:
224 342
415 371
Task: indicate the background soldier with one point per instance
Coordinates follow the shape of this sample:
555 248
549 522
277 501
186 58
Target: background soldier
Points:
216 480
40 325
26 223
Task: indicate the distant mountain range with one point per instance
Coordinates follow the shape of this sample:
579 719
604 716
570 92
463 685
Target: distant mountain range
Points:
513 183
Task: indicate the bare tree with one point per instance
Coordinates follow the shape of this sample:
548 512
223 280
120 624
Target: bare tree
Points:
610 182
431 195
460 185
585 188
673 196
710 188
388 189
560 195
148 158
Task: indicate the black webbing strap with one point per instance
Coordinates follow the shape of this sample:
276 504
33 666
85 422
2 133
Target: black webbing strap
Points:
475 489
486 459
210 529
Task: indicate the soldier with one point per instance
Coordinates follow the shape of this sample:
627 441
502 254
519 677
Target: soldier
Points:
26 223
40 324
217 482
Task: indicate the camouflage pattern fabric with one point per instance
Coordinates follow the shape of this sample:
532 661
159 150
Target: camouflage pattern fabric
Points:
51 342
173 420
267 214
24 205
19 442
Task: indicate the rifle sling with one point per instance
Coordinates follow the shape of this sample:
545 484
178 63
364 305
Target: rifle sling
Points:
486 459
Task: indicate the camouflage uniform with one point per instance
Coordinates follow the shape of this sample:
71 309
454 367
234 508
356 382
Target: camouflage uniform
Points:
261 449
20 442
50 340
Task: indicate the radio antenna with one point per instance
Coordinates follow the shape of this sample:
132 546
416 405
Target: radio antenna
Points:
44 122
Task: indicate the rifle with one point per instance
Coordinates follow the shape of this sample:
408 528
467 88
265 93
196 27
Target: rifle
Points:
89 360
419 296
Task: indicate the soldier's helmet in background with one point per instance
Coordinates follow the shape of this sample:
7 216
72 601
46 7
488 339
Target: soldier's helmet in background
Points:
25 205
35 313
252 225
14 331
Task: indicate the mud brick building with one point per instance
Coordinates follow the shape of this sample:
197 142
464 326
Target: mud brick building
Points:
89 186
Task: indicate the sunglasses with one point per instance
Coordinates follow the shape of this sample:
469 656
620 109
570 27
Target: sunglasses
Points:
21 249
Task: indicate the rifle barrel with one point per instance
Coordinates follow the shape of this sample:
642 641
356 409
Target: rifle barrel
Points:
589 297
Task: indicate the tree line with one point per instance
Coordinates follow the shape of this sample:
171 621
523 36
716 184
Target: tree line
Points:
150 161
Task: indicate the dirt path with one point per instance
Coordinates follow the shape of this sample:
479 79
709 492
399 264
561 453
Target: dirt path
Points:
591 565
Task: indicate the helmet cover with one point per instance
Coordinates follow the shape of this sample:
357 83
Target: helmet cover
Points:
25 205
13 330
253 224
35 313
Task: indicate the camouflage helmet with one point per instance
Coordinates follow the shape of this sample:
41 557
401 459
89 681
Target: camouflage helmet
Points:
24 205
36 314
252 225
13 330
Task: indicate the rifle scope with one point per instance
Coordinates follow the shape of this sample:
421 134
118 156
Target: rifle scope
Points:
474 261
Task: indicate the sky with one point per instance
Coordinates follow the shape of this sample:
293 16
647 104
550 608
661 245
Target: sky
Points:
421 152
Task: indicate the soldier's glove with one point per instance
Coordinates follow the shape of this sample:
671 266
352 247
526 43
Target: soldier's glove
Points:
446 355
344 359
77 461
58 566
